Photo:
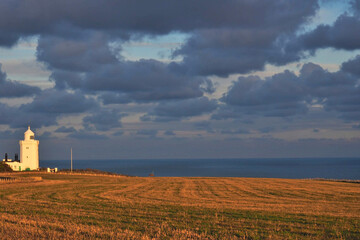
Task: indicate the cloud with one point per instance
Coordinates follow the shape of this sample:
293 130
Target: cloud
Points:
104 120
8 39
36 120
266 129
47 107
238 37
84 50
64 129
286 94
247 46
169 133
227 51
45 135
118 133
56 102
352 66
8 134
80 54
337 92
147 132
178 109
235 132
115 98
88 63
281 95
12 89
87 135
356 6
204 125
145 80
124 17
320 83
7 114
344 34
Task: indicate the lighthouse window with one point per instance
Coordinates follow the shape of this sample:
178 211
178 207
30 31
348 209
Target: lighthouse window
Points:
31 137
27 147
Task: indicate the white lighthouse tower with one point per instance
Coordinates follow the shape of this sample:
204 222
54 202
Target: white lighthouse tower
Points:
29 151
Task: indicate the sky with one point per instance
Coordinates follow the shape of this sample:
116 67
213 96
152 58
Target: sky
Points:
137 79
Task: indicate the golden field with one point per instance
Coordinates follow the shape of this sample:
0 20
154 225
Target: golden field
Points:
64 206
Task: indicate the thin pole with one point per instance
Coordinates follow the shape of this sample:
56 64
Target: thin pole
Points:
71 159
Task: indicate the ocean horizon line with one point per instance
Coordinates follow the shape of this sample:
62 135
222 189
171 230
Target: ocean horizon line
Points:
240 158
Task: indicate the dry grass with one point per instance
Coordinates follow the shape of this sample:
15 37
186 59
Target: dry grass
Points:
103 207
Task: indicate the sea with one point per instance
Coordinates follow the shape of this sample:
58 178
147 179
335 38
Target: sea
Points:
296 168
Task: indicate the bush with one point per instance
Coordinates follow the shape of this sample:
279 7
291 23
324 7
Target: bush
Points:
4 167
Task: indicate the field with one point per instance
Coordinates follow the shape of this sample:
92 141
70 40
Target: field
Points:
63 206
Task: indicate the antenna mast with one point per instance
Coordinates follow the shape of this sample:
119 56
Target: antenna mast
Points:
71 160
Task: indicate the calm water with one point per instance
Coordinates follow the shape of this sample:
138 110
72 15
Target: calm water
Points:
336 168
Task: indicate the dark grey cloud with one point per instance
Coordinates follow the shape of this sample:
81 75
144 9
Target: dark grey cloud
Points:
236 131
226 51
36 120
7 113
286 94
169 133
344 33
80 42
355 4
143 17
147 132
145 80
337 91
81 54
47 107
87 135
352 66
11 89
236 37
115 98
178 109
204 125
64 129
266 129
104 120
245 48
10 134
89 64
118 133
8 39
56 102
45 135
278 96
320 83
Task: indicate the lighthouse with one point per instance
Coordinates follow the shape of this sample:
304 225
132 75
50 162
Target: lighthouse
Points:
29 154
29 151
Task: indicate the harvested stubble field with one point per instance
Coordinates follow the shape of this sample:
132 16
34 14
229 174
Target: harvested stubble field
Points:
107 207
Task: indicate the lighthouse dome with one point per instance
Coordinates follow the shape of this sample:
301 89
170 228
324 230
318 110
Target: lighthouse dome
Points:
29 134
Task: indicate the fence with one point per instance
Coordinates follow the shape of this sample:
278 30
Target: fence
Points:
19 179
